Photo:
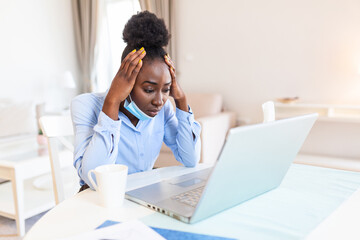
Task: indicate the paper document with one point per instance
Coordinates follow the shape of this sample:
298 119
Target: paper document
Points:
132 230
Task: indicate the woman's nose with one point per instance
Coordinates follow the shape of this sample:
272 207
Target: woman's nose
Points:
158 100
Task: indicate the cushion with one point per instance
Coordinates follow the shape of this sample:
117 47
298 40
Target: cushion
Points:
204 104
17 118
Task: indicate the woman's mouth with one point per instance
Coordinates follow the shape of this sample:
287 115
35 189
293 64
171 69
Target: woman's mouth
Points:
153 113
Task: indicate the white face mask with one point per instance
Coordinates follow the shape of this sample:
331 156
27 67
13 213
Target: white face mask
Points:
135 110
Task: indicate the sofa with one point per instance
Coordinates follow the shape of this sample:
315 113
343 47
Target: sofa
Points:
215 123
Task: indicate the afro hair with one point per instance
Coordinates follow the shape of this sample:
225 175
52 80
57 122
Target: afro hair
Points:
146 30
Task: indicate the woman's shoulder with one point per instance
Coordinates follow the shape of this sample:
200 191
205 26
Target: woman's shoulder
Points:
87 105
88 98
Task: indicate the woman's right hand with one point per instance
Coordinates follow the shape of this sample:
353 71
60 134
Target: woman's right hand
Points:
123 82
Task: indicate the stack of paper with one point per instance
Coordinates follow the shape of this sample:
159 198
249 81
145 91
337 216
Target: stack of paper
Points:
132 230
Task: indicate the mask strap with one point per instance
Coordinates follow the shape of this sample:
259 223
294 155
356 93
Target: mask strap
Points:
130 98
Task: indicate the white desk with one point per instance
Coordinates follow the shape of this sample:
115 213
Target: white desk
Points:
342 224
86 213
83 213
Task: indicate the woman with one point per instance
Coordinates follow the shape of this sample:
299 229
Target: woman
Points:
127 124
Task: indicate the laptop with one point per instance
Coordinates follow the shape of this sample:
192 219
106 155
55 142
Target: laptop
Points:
254 159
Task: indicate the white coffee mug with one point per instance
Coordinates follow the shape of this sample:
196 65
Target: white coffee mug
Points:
111 183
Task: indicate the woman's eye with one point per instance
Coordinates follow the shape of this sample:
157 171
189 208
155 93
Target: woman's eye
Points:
148 90
166 90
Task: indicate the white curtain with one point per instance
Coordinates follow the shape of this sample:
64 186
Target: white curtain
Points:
163 9
91 41
103 66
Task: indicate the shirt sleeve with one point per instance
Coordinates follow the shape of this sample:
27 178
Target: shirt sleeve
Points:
182 135
96 137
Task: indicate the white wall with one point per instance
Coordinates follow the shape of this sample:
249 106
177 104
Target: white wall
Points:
37 46
256 50
252 51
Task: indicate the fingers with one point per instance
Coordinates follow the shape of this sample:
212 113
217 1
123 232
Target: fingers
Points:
136 70
133 61
172 72
170 63
126 59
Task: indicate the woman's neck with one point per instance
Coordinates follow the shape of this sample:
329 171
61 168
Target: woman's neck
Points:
134 120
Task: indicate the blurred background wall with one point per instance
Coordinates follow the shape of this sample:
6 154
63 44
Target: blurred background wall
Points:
37 46
249 51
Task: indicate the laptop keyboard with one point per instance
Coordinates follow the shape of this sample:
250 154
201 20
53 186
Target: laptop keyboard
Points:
190 197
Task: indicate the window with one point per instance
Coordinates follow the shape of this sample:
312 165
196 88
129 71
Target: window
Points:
118 12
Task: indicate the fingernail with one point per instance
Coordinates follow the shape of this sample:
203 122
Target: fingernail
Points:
140 61
141 48
133 50
143 52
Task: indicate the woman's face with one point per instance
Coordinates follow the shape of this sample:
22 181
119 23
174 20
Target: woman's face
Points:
152 87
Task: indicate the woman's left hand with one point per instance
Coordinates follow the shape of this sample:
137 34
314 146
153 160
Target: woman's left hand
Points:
175 90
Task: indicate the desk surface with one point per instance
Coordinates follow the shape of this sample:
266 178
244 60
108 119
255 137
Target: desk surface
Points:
343 223
306 197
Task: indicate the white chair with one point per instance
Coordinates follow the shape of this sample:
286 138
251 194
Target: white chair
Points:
57 129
